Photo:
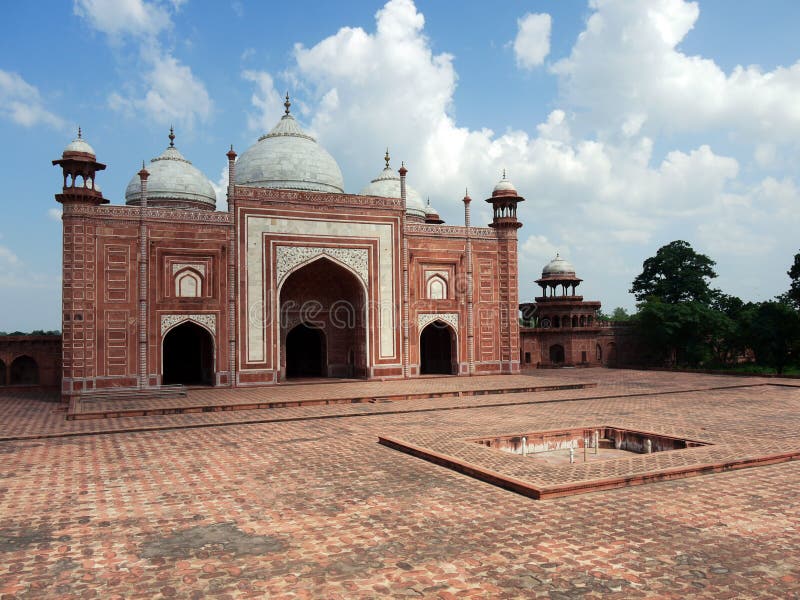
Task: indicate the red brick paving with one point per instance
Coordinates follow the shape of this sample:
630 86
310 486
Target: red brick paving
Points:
316 508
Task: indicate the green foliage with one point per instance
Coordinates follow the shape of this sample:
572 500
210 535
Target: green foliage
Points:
773 332
620 314
679 334
793 295
675 274
34 332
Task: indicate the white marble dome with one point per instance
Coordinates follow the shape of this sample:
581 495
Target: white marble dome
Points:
288 158
558 266
173 179
387 185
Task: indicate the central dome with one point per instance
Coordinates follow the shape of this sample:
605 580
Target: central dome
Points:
288 158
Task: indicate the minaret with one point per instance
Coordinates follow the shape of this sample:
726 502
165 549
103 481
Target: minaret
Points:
232 265
504 201
470 292
144 275
405 316
79 195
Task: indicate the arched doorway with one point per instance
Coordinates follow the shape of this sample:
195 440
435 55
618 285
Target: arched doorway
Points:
2 373
188 356
557 354
329 303
611 354
305 352
437 350
24 371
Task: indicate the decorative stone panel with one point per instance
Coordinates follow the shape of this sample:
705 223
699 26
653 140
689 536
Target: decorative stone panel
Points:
196 266
424 319
289 257
208 321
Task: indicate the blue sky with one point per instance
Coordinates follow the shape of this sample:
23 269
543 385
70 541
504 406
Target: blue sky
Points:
626 125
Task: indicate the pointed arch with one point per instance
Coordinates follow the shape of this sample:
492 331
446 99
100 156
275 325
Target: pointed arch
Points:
438 349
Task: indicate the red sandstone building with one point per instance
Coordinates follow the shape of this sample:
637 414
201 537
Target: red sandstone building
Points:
561 328
296 279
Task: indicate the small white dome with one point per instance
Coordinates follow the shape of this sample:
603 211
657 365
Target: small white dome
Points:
504 186
558 266
79 145
387 185
173 178
289 158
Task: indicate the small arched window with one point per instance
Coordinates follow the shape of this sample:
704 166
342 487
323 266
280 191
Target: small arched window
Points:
437 288
188 284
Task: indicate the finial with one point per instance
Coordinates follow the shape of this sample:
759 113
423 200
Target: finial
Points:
429 200
142 164
171 137
79 132
386 158
504 173
287 104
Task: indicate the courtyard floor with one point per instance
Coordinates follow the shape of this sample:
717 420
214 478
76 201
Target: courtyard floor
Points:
304 501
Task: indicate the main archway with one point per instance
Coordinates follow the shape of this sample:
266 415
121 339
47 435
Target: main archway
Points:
305 352
188 356
323 326
437 350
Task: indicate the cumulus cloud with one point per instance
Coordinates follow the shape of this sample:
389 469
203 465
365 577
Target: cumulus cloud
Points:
168 90
21 103
626 70
593 185
266 99
174 94
532 44
118 18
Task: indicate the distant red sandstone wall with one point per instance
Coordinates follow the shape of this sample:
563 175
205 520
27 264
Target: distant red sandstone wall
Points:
30 361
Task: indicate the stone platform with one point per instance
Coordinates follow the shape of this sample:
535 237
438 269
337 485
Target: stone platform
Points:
315 393
303 502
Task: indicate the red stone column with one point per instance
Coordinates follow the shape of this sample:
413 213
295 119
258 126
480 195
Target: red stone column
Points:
144 378
405 310
470 288
232 269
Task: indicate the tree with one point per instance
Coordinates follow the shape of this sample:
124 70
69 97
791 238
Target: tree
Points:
793 295
675 274
679 334
774 334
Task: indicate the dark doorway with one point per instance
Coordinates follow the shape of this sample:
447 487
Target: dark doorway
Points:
557 354
188 356
305 352
436 350
611 354
330 301
24 371
2 373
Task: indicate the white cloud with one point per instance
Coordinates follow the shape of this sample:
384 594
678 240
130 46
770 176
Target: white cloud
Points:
221 189
532 44
601 195
169 91
173 95
54 213
117 18
626 71
265 99
7 256
22 103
